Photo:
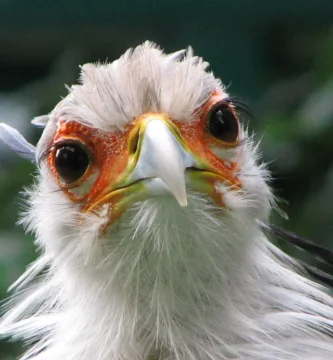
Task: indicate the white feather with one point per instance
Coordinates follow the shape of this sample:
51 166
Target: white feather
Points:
40 121
165 282
17 142
143 79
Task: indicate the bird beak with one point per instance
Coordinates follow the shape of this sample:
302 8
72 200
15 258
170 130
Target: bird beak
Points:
162 157
158 161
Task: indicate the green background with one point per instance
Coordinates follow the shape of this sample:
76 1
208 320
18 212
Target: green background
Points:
277 56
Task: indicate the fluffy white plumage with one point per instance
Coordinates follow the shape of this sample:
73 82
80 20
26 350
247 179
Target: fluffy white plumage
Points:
165 282
142 80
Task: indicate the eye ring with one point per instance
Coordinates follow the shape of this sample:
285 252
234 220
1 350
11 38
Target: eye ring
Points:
222 123
71 160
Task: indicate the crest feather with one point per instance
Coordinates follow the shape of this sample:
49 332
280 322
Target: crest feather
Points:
143 79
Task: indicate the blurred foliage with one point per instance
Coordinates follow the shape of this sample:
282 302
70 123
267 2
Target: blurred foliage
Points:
280 64
296 123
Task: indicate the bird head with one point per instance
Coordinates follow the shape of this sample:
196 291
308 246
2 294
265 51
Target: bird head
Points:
145 133
146 142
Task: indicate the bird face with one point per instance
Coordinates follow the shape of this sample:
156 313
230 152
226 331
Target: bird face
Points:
152 156
148 128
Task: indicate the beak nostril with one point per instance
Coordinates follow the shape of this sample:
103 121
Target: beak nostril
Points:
133 143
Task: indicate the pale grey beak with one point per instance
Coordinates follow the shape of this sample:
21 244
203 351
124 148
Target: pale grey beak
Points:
163 157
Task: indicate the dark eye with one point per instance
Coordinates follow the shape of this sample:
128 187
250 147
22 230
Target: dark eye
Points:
222 123
71 161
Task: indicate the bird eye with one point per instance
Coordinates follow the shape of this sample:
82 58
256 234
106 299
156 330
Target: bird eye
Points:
222 123
71 161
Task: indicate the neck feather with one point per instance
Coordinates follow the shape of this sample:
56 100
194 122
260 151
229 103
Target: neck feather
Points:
193 283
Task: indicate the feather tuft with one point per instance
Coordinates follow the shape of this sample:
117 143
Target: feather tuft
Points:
12 138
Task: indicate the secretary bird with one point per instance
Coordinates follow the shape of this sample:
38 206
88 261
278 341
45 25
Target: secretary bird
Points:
150 212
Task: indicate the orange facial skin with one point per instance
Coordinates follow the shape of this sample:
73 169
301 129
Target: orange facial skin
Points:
108 151
113 157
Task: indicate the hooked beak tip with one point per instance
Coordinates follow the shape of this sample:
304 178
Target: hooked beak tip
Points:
182 202
182 199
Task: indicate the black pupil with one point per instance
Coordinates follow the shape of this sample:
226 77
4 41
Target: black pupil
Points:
223 123
71 162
